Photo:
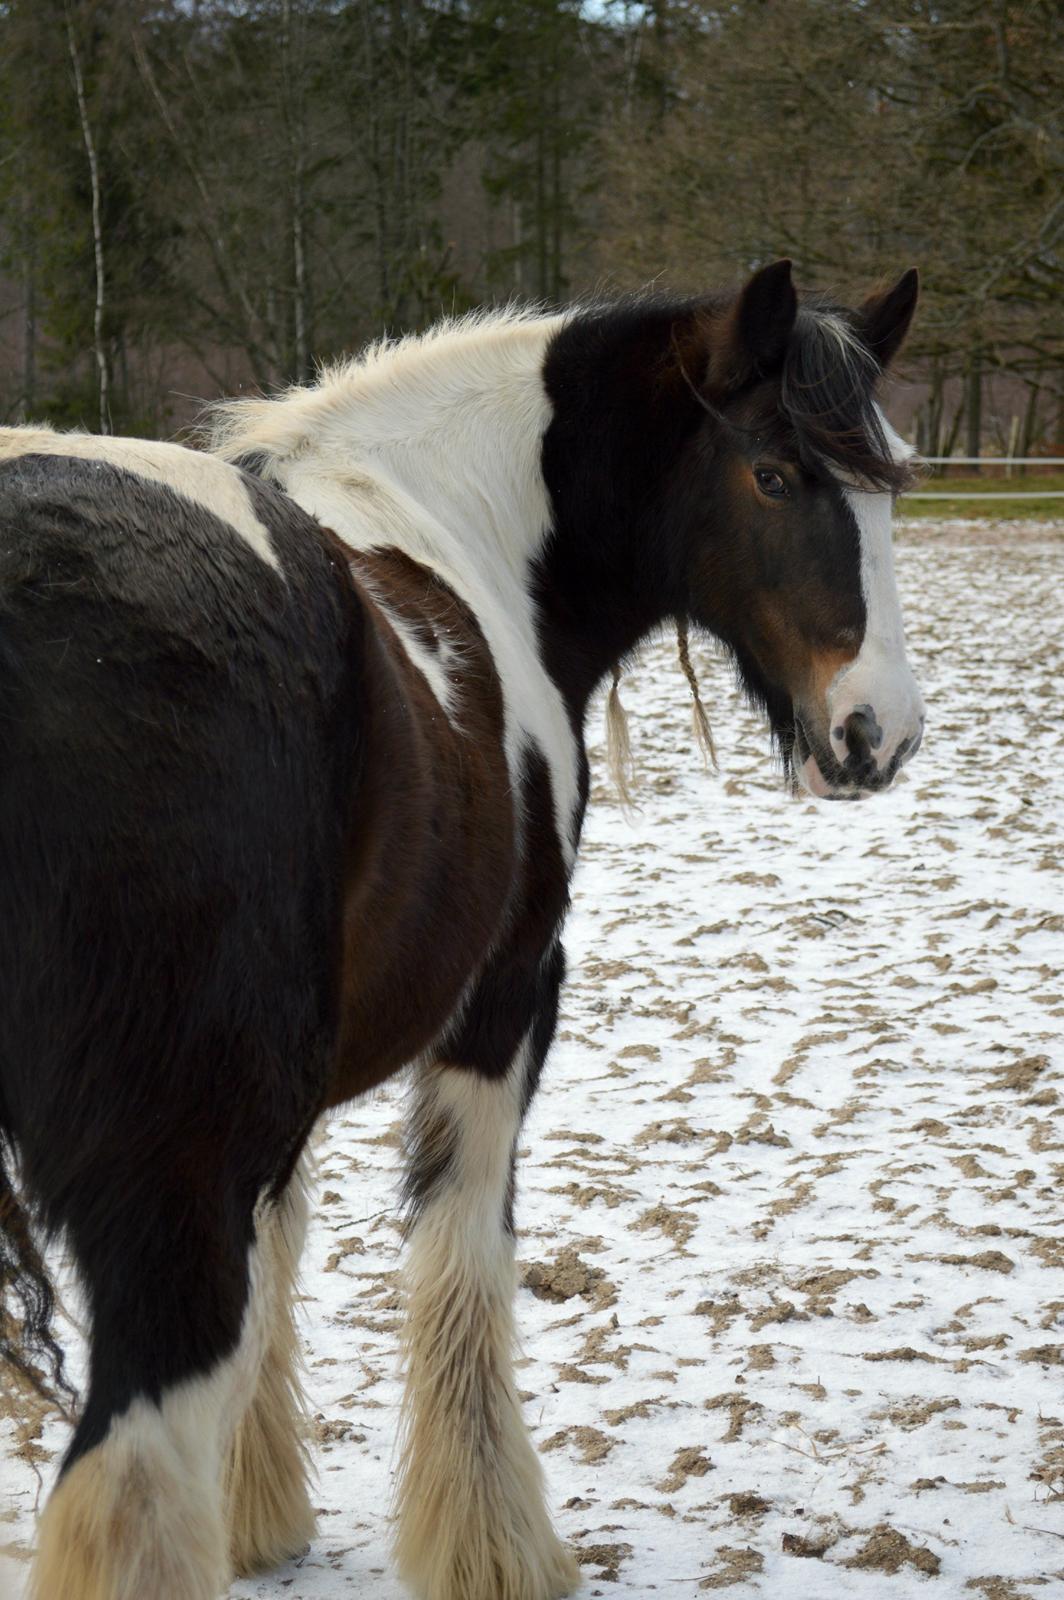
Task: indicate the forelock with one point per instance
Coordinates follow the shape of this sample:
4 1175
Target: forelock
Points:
828 396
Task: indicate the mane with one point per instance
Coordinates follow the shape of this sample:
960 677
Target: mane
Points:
261 432
828 397
827 388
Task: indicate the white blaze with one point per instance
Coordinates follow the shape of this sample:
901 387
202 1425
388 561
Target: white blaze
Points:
879 677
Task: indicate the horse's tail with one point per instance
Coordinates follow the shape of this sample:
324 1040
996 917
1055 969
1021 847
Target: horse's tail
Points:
28 1349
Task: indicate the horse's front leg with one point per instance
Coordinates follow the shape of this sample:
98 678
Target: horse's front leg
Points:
472 1520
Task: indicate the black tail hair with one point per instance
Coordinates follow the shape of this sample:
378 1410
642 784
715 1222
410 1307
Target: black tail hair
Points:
27 1305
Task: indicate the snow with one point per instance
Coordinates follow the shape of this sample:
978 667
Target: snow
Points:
801 1142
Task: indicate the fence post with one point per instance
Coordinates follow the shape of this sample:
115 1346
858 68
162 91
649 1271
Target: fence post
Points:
1014 434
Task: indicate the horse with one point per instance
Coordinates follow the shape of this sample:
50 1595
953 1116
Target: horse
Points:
292 776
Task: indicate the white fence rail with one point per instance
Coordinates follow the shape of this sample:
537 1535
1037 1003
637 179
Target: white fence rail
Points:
1008 462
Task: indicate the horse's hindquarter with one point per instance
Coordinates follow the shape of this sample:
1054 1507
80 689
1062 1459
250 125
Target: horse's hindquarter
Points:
433 846
176 757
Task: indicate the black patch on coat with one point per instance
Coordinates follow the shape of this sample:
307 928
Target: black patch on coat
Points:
178 745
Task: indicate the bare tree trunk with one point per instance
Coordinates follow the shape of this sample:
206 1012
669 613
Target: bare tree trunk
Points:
518 243
405 235
103 377
542 289
949 444
28 402
974 404
1030 423
371 108
934 411
299 268
293 64
556 174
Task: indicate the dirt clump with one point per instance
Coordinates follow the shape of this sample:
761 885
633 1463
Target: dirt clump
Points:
592 1445
911 1414
673 1224
998 1588
741 1410
778 1311
1021 1075
568 1373
1049 1355
690 1463
904 1352
736 1566
720 1312
796 1544
887 1550
986 1260
606 1556
566 1277
638 1408
748 1504
674 1130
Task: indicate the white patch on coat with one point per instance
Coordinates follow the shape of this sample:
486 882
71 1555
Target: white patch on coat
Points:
196 476
472 1522
879 676
432 445
141 1513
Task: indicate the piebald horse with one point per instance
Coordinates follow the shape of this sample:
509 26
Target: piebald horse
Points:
292 776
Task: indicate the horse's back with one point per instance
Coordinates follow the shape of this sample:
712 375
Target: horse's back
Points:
173 804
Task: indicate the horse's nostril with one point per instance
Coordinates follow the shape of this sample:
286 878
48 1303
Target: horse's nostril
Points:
875 732
862 734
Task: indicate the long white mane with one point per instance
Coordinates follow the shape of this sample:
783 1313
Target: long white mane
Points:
389 393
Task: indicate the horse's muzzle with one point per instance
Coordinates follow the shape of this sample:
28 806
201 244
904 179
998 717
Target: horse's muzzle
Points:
862 766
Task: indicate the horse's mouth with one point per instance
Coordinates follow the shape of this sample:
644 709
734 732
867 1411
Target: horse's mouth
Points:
819 774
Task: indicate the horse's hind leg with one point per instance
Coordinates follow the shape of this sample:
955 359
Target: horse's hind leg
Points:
472 1520
174 1281
268 1510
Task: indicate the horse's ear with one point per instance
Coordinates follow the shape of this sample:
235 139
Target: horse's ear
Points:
883 320
765 315
757 329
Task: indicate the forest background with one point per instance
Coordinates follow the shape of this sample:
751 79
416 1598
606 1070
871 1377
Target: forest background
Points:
197 196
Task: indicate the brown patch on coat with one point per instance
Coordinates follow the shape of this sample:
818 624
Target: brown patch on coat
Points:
802 657
431 850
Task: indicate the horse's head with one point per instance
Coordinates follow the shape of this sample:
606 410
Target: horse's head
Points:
792 567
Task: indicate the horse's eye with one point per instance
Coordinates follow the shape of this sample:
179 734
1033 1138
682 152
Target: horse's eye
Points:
770 483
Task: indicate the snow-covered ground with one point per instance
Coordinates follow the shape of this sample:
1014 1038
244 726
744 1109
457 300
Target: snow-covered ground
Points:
792 1195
